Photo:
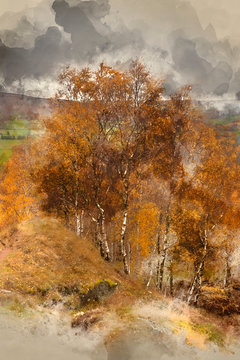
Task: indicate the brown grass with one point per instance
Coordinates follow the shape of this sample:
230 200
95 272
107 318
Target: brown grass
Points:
42 255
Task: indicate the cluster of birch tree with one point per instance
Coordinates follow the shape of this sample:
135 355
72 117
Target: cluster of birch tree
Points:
137 173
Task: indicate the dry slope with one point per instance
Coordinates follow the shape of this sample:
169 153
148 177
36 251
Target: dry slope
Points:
41 257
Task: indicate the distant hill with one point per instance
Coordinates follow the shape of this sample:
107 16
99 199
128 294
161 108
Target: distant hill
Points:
18 114
28 107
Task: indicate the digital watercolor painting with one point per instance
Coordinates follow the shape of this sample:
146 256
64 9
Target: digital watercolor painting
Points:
119 180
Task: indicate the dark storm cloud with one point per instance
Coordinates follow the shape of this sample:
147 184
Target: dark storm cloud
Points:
17 62
74 20
198 69
89 34
188 62
97 10
89 37
166 34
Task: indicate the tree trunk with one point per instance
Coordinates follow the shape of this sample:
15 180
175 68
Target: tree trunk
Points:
150 273
171 277
98 237
105 242
82 222
195 289
126 264
161 265
100 242
77 216
66 217
228 275
103 234
78 224
158 262
138 261
123 247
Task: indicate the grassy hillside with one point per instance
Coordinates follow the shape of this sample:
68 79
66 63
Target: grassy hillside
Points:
41 257
42 262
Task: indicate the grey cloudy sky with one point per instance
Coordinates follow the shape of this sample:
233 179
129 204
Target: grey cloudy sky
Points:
15 5
173 37
223 14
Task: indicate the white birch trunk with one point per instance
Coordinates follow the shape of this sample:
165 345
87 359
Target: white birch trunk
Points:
77 217
171 277
103 234
161 264
82 222
123 247
197 281
150 275
78 224
98 236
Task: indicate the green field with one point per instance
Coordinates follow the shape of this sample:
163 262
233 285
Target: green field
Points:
16 127
226 120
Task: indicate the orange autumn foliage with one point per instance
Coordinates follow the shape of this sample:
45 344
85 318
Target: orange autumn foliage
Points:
17 198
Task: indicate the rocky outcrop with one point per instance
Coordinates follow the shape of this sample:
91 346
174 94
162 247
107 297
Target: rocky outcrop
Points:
97 292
